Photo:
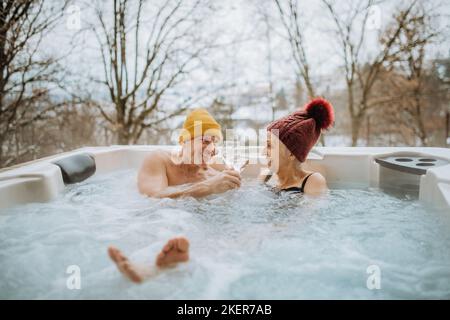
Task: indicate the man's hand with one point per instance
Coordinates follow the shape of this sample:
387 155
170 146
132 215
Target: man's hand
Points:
224 181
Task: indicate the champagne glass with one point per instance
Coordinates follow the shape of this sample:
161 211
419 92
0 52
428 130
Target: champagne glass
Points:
235 161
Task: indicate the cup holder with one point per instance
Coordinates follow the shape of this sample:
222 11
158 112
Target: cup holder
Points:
401 174
403 159
415 164
425 164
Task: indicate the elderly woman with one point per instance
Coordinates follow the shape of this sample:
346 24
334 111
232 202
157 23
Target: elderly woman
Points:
289 141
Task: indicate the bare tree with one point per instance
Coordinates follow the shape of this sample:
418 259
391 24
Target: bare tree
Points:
417 30
410 83
263 11
143 61
24 72
294 26
361 74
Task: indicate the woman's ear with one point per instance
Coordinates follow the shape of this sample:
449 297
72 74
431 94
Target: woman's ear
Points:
291 156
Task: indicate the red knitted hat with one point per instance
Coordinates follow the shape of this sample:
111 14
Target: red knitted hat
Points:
300 130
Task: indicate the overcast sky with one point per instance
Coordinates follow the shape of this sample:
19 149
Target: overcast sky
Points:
244 62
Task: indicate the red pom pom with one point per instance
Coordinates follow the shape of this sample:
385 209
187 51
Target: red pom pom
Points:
321 111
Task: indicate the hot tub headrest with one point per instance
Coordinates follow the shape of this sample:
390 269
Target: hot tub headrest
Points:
76 168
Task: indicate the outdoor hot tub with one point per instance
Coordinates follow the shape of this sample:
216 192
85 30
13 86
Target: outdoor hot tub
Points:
387 215
424 171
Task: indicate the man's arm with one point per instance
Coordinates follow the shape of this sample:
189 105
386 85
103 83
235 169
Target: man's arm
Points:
152 181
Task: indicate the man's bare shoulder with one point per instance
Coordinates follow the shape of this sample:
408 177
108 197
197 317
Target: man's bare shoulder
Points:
156 158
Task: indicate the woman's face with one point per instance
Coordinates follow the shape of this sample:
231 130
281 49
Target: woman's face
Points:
276 152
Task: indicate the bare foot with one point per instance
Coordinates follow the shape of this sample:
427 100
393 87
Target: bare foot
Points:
124 265
176 250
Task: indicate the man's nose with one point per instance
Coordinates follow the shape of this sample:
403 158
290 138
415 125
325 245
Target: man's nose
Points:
211 147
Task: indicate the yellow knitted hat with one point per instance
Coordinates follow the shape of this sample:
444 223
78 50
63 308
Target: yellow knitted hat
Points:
198 123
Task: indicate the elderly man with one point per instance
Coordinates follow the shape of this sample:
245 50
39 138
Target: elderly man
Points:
187 172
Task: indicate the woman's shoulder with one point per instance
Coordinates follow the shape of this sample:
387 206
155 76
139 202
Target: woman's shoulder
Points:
316 184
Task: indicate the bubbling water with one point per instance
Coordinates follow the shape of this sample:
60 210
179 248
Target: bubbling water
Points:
246 243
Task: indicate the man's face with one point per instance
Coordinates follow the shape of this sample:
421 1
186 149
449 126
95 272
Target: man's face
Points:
201 149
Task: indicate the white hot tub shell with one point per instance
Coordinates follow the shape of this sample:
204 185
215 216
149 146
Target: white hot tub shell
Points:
41 180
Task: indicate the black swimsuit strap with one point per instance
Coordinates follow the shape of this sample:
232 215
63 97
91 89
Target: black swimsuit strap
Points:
304 181
267 178
296 189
